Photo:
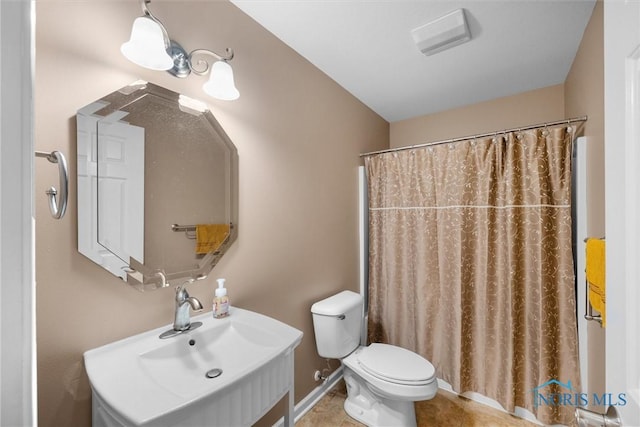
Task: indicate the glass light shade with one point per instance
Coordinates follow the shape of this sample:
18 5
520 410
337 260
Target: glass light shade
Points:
221 84
147 46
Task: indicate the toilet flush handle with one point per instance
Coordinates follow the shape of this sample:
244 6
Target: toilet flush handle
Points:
339 316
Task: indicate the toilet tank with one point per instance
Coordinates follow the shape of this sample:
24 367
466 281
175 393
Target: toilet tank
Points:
336 324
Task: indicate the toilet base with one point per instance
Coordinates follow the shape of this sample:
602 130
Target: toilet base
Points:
373 410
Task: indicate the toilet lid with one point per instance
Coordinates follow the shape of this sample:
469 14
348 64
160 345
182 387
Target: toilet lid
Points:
396 364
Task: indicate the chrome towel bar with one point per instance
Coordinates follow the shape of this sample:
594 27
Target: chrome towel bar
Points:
57 206
176 227
189 230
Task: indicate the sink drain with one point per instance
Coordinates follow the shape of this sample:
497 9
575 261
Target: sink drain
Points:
214 373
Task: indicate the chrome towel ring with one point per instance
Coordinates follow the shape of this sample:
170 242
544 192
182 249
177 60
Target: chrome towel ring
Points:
57 206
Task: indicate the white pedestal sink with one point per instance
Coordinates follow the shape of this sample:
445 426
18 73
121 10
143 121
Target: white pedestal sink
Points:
228 372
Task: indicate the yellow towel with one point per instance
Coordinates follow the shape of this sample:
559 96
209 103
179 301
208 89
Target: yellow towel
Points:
595 272
209 237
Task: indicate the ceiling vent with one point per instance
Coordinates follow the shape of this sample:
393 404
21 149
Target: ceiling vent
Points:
443 33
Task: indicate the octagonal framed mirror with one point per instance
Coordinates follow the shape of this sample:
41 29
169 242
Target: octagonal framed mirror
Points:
157 186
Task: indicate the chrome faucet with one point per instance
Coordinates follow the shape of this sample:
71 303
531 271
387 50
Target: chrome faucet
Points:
182 320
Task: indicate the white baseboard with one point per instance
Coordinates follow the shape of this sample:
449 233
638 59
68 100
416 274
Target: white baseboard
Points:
314 397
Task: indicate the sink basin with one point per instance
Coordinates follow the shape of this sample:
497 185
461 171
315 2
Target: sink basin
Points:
229 371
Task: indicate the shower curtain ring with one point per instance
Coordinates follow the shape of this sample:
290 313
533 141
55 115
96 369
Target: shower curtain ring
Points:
569 127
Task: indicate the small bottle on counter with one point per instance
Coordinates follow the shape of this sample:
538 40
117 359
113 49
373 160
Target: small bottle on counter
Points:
220 301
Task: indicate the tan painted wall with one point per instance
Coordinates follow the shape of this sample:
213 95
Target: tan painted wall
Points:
298 136
584 95
536 106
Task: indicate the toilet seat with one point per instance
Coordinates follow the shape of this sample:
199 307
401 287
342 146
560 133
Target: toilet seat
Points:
395 365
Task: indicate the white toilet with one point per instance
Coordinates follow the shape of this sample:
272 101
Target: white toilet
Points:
383 381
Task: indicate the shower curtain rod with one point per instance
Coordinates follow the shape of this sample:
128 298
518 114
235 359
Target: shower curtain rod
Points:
482 135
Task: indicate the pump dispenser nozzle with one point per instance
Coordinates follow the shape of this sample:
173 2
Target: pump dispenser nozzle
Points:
221 291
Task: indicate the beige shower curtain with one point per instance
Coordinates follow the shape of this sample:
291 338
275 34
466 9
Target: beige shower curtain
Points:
471 263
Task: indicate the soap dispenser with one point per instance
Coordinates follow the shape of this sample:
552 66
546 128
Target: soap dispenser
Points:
221 301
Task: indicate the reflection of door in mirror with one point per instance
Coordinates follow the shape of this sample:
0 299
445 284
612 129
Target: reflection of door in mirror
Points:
150 159
87 169
121 189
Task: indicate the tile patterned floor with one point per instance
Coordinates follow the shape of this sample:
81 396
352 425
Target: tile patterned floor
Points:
444 410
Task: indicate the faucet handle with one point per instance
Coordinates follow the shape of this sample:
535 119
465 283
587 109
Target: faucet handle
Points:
181 286
182 296
181 292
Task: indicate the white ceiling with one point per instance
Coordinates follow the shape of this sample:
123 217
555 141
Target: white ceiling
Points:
367 48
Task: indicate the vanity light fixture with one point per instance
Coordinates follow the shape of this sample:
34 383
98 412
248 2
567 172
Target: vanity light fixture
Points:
150 47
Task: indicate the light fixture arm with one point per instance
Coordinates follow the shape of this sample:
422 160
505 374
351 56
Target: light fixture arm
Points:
147 12
201 67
